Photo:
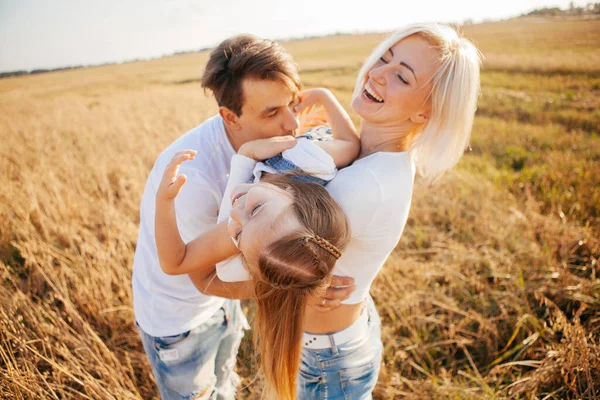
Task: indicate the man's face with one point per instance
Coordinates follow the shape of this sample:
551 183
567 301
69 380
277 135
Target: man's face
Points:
268 109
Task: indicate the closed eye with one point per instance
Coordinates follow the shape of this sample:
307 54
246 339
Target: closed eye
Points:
255 210
403 80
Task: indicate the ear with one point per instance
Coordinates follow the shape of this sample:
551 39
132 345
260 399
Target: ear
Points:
420 118
232 121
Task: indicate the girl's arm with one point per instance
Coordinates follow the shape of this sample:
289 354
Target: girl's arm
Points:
346 145
213 245
174 255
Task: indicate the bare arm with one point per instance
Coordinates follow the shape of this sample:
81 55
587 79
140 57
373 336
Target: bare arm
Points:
174 255
211 285
213 245
346 145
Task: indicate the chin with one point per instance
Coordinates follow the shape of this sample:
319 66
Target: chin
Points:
364 110
358 105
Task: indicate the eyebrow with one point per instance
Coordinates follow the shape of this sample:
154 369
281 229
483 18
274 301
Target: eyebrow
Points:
405 65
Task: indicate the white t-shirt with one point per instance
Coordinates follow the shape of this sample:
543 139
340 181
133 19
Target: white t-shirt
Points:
166 305
375 192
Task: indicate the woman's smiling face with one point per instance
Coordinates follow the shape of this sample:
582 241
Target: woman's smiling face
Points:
260 215
396 88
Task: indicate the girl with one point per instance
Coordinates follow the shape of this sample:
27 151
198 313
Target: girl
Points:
287 228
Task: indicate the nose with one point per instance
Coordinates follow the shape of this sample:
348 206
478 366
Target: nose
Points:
236 215
377 74
290 122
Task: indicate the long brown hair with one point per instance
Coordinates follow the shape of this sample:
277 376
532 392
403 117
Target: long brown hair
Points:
290 271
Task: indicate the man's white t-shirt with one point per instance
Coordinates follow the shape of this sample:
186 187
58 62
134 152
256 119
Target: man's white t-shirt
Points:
166 305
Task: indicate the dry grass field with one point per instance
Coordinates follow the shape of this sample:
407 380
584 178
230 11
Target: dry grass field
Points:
492 293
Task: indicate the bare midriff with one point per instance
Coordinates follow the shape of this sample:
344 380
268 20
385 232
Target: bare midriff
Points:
320 322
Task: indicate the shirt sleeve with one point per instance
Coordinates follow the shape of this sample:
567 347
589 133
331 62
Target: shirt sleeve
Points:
232 269
240 172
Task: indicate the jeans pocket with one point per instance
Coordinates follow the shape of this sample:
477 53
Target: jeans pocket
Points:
309 385
166 341
358 382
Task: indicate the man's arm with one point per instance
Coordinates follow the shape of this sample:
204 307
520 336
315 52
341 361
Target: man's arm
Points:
210 284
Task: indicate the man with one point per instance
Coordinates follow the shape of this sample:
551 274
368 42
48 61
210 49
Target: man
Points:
190 335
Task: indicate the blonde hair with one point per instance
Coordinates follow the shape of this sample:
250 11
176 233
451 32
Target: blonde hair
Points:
443 139
290 271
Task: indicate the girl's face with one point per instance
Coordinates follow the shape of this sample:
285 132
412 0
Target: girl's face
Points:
395 91
259 216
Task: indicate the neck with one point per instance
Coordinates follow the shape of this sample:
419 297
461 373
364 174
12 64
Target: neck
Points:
375 138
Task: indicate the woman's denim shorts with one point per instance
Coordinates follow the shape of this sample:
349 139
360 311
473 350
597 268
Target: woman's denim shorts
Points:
346 371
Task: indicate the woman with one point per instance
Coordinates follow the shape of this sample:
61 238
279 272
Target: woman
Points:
416 97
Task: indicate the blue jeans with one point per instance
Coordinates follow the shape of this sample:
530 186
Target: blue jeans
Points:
346 371
198 364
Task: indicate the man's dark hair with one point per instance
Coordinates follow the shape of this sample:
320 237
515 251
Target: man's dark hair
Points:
246 57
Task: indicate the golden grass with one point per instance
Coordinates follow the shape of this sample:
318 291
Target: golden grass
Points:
493 292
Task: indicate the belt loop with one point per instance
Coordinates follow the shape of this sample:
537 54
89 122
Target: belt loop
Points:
333 345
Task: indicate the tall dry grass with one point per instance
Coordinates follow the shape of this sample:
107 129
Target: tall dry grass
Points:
493 292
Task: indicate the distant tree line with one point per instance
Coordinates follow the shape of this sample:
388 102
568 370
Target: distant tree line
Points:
37 71
589 9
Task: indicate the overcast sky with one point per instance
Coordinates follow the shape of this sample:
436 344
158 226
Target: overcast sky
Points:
56 33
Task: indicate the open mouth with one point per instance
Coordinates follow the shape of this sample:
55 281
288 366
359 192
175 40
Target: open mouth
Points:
372 95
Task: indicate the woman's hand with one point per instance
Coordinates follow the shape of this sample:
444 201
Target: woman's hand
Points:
311 97
171 183
340 289
261 149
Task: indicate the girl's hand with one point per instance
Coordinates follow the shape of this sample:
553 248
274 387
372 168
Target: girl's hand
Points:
261 149
171 183
311 97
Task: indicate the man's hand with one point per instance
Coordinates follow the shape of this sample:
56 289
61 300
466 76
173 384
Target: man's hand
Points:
340 289
261 149
171 183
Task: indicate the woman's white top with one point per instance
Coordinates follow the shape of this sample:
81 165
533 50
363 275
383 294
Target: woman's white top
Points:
375 192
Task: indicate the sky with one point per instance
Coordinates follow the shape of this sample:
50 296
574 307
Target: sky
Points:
57 33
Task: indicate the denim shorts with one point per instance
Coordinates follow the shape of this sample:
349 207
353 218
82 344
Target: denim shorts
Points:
346 371
199 363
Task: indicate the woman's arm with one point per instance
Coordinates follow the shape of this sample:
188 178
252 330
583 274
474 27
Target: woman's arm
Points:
346 145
